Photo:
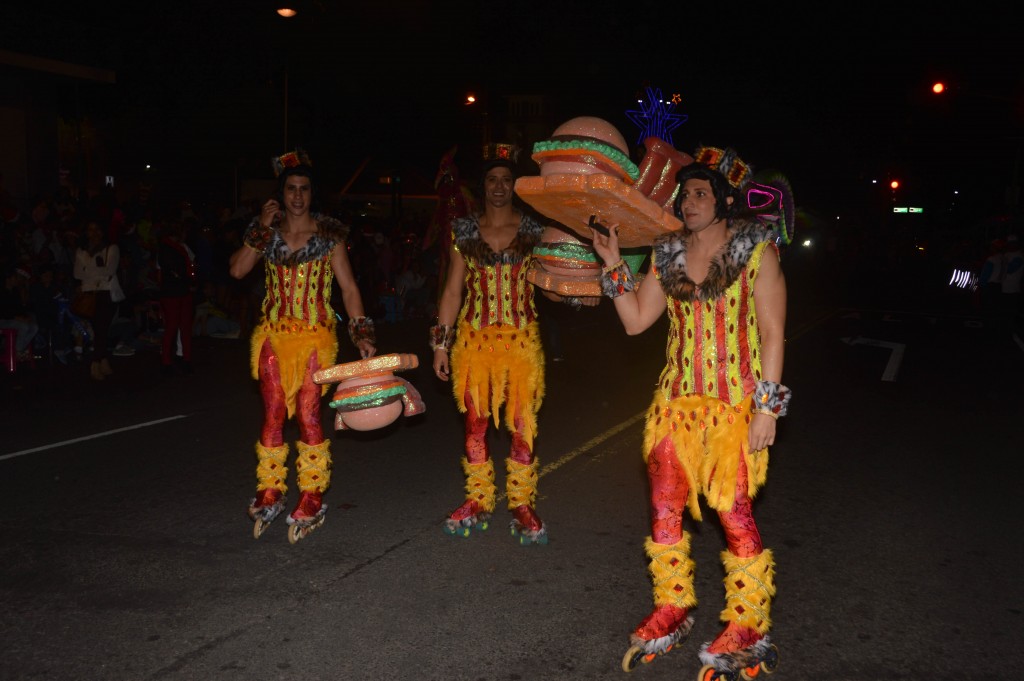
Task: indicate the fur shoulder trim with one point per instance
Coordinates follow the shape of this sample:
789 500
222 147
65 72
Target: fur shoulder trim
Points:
670 261
467 240
332 229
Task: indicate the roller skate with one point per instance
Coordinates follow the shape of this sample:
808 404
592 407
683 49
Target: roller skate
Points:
745 663
743 649
466 518
307 516
526 527
657 634
264 507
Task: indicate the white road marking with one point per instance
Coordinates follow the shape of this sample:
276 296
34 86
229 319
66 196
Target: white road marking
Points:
586 446
90 437
895 356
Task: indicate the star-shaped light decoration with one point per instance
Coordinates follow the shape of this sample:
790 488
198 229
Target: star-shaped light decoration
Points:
655 117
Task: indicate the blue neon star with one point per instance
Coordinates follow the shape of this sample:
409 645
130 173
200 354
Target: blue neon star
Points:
655 117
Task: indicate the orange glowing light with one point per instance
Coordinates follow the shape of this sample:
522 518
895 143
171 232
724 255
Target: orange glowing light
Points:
894 184
939 88
287 12
470 99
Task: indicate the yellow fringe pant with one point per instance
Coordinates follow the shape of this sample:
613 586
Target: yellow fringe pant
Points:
500 366
709 437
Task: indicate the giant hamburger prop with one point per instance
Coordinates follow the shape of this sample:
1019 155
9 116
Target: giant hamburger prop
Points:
586 174
586 177
369 396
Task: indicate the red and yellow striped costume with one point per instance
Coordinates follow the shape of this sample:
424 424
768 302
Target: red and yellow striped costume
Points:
497 356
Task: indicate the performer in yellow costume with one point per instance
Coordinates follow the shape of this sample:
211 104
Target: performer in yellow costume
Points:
496 356
715 408
302 252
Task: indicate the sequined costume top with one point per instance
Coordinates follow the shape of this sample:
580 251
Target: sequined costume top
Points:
714 347
300 283
497 291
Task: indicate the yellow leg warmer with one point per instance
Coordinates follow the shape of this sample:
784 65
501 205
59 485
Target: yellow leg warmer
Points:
521 483
271 471
313 466
671 570
749 587
480 483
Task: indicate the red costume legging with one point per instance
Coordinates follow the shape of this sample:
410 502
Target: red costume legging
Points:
275 411
669 491
476 437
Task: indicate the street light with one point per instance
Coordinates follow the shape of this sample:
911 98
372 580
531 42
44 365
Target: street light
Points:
287 13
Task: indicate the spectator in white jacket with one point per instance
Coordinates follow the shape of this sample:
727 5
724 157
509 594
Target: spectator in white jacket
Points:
96 264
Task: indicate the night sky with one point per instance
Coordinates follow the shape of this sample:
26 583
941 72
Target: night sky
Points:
833 95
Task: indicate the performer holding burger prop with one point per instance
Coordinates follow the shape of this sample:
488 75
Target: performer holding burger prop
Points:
587 179
303 253
715 409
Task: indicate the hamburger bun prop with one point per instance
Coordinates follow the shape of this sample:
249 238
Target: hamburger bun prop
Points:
586 175
369 396
569 267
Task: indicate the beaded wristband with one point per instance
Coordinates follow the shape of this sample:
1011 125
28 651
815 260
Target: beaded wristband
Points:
360 329
771 398
442 337
617 279
257 237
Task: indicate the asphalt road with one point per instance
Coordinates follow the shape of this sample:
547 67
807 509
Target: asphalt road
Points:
892 506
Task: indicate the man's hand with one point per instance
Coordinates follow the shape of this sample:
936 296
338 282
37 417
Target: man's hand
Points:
258 236
762 431
441 368
366 349
607 245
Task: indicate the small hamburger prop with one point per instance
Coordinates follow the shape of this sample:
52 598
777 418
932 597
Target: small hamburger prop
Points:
586 174
369 396
569 267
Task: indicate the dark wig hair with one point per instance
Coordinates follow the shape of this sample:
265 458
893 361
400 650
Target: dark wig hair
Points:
498 163
720 187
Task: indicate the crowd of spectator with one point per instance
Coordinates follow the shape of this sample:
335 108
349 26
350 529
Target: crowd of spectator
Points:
38 248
